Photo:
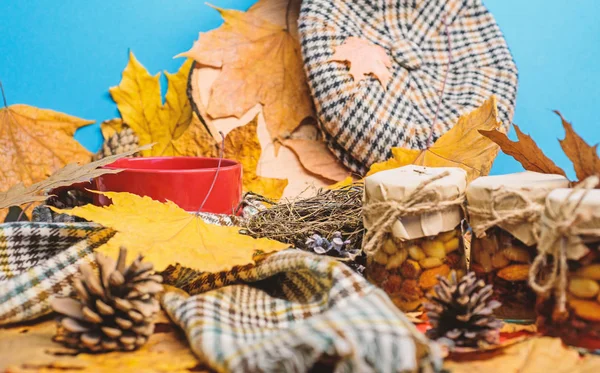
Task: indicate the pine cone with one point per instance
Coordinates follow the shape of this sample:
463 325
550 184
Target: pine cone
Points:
112 310
64 200
120 142
462 312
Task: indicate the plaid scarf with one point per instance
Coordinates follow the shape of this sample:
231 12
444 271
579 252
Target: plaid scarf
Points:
291 312
37 262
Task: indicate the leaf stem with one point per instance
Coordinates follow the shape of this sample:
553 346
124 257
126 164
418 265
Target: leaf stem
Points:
221 154
437 110
3 95
287 15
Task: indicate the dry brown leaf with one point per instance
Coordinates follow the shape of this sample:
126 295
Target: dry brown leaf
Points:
525 151
462 146
242 145
111 127
29 348
316 158
70 174
283 164
166 234
34 143
534 355
364 58
244 47
283 13
584 157
138 99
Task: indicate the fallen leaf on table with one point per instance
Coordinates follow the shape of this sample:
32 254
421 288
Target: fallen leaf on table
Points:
316 158
33 144
111 127
462 146
166 234
584 157
534 355
364 58
343 183
139 101
29 348
525 151
283 164
72 173
245 48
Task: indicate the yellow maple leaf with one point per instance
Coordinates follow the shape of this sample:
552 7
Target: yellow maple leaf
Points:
138 99
245 48
166 234
462 146
36 142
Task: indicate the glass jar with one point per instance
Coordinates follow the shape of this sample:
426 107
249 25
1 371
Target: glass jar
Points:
420 245
577 320
504 212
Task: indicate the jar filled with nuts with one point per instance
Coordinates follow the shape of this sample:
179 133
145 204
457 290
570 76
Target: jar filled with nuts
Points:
504 212
567 269
413 217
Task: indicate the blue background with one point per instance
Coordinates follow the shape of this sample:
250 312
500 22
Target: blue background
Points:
65 54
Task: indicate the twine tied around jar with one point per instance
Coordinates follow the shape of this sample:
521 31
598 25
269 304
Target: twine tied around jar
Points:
558 232
419 201
529 213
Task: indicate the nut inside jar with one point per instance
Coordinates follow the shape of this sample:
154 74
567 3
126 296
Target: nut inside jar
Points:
407 270
503 261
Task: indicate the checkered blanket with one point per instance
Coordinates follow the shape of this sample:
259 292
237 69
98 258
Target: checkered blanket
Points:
294 312
363 120
37 261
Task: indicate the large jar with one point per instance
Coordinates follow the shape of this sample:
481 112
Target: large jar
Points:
504 212
569 290
413 220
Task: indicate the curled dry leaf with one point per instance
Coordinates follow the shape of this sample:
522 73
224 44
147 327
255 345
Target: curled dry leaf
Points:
364 58
72 173
525 151
584 157
139 101
316 158
462 146
166 234
241 144
244 47
281 164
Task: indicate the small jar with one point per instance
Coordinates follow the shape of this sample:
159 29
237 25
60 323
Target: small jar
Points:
575 319
423 239
504 212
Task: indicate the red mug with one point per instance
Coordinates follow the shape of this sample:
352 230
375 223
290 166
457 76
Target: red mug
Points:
186 181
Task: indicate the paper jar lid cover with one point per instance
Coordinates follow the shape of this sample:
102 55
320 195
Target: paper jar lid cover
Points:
532 185
396 184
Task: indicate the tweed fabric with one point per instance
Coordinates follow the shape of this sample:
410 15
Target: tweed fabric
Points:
292 312
363 120
37 262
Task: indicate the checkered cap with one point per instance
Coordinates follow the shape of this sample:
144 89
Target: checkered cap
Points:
362 120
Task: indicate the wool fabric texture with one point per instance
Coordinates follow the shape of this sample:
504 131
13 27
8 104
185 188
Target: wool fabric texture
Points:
362 120
294 311
38 261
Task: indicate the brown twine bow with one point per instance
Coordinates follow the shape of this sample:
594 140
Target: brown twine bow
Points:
419 201
557 230
529 213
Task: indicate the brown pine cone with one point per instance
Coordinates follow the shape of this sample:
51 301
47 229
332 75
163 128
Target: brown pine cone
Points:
120 142
111 310
461 312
